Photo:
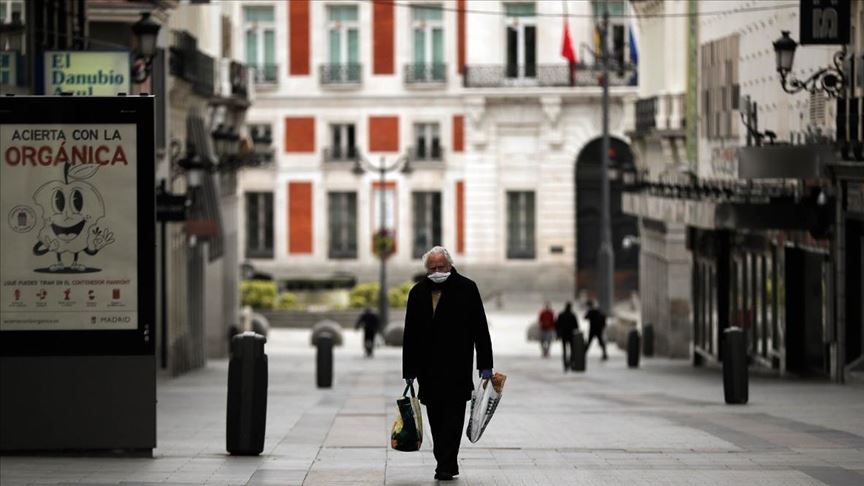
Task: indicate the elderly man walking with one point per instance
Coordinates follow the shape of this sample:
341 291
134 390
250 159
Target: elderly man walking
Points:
444 324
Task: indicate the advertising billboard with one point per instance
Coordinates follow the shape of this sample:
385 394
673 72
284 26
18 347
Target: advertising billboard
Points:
77 199
87 73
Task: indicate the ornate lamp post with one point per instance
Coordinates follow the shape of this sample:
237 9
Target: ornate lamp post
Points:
830 79
383 241
146 30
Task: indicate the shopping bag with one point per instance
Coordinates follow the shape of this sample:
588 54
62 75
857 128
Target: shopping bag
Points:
407 432
484 401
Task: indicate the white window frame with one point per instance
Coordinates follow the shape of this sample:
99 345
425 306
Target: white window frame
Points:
342 126
343 27
427 26
259 28
520 23
7 17
428 129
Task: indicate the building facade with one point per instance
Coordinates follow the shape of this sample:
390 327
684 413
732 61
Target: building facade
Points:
474 94
754 193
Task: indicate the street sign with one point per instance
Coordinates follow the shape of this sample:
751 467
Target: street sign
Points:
87 73
825 22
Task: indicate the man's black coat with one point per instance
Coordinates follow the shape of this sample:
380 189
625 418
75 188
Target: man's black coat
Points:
438 349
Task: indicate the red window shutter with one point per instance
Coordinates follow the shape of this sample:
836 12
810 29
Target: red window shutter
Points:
383 133
300 217
458 133
382 37
300 134
298 26
460 217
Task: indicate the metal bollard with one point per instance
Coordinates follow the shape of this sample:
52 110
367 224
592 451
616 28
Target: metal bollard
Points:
324 360
247 395
577 352
648 340
735 374
633 349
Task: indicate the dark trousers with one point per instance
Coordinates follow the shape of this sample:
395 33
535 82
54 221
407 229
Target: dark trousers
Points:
446 421
566 343
599 336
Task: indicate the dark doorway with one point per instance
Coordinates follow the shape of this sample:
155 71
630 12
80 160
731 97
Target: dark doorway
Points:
806 294
854 291
588 216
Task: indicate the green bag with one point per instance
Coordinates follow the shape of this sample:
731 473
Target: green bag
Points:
407 433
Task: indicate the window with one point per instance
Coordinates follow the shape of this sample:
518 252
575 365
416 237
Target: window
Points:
342 142
9 9
428 29
8 60
521 40
259 225
719 87
261 43
427 142
342 211
520 224
262 140
344 44
427 221
616 43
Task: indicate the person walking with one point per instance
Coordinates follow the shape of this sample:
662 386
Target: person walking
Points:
597 325
546 321
444 323
565 325
369 321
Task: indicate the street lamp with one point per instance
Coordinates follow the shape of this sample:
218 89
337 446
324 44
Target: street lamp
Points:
361 166
830 79
146 30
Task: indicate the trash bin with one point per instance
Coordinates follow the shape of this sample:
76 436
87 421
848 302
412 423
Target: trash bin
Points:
247 395
633 349
735 375
648 340
577 352
324 360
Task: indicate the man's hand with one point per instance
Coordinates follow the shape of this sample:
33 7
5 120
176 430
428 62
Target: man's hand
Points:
486 374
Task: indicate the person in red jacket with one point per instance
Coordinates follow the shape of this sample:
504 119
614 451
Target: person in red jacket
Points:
547 329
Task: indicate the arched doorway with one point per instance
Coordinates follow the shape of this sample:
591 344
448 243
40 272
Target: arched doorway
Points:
588 218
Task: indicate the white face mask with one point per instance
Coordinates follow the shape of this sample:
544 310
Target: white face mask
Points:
438 277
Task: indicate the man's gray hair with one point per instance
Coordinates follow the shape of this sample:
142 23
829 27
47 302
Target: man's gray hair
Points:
437 250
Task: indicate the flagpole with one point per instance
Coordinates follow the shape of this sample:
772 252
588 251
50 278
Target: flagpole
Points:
606 256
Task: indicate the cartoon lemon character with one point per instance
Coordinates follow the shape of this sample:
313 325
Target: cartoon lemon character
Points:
71 210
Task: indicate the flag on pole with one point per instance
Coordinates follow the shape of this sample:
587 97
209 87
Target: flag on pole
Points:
567 51
634 57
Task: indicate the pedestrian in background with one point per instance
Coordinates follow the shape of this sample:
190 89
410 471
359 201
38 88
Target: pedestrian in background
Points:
444 323
597 326
369 321
565 325
546 321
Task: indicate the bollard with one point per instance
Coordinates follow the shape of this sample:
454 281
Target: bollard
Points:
247 395
735 374
648 340
633 349
577 352
324 360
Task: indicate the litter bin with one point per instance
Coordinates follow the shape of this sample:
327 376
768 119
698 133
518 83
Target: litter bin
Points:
577 352
324 360
247 395
648 340
633 349
735 375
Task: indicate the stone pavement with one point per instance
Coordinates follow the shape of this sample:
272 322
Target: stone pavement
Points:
663 424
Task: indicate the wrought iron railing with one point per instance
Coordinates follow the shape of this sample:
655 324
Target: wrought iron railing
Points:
426 153
546 75
266 73
425 73
204 82
341 154
341 74
646 111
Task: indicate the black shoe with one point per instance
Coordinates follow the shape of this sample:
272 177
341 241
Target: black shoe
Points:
443 477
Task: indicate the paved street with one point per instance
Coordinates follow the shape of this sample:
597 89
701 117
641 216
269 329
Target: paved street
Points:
662 424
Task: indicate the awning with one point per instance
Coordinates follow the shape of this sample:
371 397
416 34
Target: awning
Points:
720 215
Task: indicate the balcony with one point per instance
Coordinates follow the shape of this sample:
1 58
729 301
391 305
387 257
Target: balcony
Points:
545 76
341 154
425 74
646 110
424 153
266 73
341 74
192 65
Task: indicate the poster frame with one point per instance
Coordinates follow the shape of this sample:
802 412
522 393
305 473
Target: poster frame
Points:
137 110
